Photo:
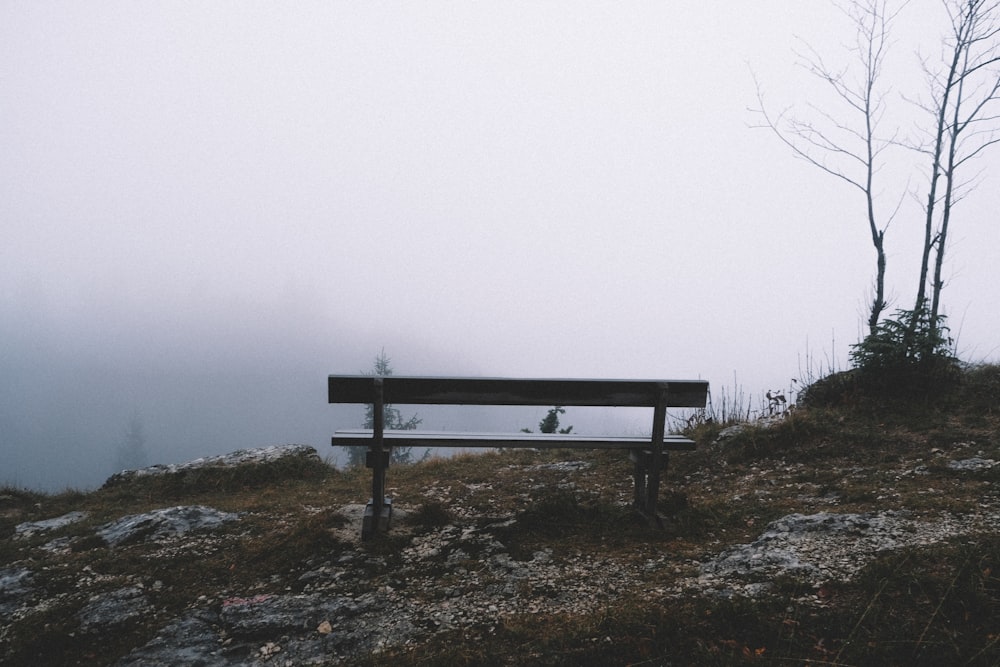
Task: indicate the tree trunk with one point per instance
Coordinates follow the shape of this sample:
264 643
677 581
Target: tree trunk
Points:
932 239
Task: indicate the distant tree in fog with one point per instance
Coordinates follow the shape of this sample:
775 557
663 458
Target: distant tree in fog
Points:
392 420
130 452
551 422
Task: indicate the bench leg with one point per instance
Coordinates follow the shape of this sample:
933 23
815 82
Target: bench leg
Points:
376 519
656 469
639 480
657 459
647 481
653 485
378 512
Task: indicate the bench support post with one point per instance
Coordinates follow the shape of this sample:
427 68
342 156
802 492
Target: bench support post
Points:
378 513
650 480
641 462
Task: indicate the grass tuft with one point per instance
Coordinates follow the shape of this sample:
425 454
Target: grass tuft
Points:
430 515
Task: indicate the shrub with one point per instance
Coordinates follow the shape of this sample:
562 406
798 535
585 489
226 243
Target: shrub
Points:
907 356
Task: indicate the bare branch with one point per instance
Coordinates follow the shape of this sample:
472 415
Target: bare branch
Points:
843 140
977 151
814 139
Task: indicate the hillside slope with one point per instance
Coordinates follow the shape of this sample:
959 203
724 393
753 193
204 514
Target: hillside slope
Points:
853 532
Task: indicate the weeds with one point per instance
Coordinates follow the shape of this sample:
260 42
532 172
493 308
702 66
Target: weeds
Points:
730 406
430 515
930 606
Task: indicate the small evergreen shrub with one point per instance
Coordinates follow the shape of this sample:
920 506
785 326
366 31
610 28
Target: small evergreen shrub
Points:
907 356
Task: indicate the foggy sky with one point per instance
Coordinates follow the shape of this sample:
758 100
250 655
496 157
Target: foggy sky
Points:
209 207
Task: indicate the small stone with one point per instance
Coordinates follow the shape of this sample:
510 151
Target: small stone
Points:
269 649
975 463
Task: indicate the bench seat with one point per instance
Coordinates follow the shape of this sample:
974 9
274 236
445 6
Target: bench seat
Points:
363 438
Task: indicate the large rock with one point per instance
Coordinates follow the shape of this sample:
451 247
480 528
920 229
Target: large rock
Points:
233 459
162 524
190 641
272 615
822 546
16 586
268 630
781 547
32 528
109 611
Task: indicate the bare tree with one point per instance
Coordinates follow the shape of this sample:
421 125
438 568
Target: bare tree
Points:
963 92
846 141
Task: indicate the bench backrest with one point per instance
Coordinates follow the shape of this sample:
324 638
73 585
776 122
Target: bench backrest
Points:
396 389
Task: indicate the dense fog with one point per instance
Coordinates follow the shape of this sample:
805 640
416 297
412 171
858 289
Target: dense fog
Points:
66 415
209 207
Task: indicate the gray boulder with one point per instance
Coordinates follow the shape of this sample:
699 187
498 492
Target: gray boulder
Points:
16 586
239 457
109 611
32 528
162 524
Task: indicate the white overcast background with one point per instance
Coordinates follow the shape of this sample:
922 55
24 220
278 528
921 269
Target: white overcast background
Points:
208 207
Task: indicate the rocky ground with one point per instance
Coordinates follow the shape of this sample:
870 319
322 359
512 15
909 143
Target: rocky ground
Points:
185 565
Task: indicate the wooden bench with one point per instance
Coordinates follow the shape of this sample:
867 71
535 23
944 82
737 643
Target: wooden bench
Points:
649 453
